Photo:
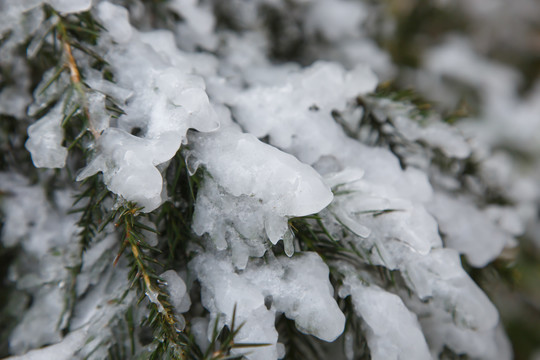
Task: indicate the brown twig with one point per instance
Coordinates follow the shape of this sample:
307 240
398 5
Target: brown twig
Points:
75 76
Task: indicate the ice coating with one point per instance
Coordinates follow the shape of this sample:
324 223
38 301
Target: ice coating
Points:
45 233
178 102
297 118
441 330
128 165
392 330
298 286
249 167
321 88
379 203
440 277
177 290
63 350
70 6
45 139
381 218
253 186
460 221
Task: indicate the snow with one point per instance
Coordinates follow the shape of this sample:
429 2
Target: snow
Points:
45 139
266 140
129 163
335 20
298 286
70 6
177 291
392 331
460 221
380 220
45 234
253 187
62 350
441 278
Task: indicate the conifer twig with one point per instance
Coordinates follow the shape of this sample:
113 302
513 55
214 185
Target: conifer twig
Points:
75 76
162 319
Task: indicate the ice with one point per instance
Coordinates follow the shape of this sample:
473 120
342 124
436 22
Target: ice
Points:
297 286
222 291
44 233
253 186
177 102
94 262
234 222
309 134
199 26
129 164
296 116
392 331
115 19
177 291
38 322
290 125
300 288
380 219
70 6
62 350
461 221
483 345
335 20
199 329
164 102
508 220
457 59
243 165
441 278
99 119
437 135
441 331
45 139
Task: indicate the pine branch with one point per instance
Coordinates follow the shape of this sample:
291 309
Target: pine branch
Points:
168 335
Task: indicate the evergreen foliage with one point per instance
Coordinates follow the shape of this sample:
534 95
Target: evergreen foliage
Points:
323 217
